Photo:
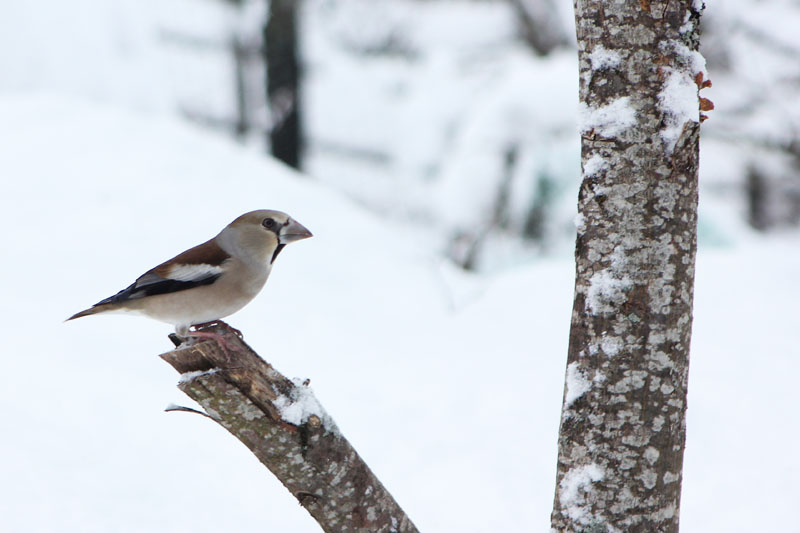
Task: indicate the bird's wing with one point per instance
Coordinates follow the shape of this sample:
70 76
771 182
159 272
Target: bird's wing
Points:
201 265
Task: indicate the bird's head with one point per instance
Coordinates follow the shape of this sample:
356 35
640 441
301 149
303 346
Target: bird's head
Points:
262 234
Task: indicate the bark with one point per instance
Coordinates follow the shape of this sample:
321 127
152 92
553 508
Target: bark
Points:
283 81
623 425
289 432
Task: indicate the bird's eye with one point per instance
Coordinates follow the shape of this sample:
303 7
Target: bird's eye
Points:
268 223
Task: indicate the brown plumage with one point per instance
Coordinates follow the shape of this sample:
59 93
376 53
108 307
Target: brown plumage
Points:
208 253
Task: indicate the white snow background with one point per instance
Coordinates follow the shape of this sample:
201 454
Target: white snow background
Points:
448 384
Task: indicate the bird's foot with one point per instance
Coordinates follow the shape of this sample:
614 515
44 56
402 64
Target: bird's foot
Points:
223 343
196 333
220 323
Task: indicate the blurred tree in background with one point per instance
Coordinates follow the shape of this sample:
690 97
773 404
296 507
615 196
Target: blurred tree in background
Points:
536 22
459 114
754 54
281 57
260 41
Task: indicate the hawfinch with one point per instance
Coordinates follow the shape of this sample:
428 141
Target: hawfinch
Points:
212 280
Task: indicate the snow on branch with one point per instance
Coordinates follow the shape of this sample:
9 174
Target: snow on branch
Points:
287 429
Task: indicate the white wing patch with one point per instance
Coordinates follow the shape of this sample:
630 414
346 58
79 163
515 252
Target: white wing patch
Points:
194 272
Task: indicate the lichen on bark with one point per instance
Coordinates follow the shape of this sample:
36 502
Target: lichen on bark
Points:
635 252
307 453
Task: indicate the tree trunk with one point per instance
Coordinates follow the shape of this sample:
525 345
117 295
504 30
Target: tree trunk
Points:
283 85
623 424
285 427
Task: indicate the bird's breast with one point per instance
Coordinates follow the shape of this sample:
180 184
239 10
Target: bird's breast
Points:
247 279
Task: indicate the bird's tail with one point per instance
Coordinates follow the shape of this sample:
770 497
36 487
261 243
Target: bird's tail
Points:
91 311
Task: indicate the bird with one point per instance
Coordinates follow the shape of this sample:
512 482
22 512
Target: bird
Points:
212 280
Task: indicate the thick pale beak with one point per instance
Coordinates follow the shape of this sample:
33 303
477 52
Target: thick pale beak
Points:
293 231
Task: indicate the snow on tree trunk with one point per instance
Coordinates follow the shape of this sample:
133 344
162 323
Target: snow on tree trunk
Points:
623 424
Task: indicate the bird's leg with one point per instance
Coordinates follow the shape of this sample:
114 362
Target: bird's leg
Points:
220 323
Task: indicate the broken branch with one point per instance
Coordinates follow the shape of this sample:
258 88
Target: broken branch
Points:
284 426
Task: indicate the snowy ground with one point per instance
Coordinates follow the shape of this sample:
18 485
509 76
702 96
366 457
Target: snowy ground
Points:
449 385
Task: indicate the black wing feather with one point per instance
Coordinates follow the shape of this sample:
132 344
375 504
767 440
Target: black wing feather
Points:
152 287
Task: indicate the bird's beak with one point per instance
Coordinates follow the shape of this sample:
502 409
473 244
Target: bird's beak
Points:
293 231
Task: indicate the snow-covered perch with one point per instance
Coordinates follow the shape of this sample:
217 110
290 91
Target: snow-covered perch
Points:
286 428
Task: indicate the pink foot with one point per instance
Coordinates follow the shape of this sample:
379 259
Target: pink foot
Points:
219 323
221 340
